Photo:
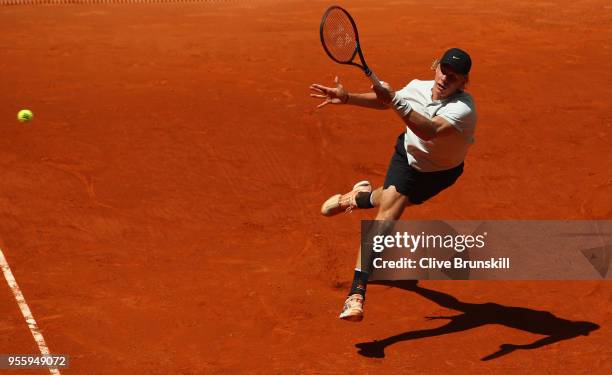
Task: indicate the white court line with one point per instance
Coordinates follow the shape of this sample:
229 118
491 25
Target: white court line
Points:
25 310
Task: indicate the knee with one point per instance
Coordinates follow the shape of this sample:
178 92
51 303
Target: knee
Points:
392 204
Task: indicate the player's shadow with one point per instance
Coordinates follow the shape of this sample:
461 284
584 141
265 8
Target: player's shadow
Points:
478 314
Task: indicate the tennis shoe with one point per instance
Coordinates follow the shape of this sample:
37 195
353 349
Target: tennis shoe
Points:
352 310
345 202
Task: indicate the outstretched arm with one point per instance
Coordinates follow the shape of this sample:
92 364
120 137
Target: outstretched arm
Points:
509 348
339 95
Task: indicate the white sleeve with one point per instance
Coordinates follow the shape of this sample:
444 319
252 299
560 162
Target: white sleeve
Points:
459 114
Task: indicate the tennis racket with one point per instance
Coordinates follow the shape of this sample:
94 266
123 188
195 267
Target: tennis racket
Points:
340 40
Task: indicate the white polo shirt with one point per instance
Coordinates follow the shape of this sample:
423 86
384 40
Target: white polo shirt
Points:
445 152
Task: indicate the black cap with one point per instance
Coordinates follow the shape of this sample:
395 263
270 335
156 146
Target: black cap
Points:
457 59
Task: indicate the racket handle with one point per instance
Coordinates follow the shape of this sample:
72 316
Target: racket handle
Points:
374 79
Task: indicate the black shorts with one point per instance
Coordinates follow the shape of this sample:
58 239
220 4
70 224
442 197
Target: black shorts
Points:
417 186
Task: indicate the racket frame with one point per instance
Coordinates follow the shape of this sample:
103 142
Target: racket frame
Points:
364 67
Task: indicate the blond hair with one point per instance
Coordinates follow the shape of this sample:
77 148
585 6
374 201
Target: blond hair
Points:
435 64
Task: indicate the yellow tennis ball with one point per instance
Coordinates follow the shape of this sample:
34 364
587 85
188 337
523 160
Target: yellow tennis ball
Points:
25 115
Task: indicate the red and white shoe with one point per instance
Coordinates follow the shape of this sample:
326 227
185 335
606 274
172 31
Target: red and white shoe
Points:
345 202
352 310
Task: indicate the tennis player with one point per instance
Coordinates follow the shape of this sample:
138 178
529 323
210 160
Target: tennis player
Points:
440 119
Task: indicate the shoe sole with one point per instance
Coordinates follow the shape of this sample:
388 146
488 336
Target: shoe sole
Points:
353 318
332 201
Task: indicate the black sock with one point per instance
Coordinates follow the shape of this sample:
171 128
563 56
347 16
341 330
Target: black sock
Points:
363 200
360 283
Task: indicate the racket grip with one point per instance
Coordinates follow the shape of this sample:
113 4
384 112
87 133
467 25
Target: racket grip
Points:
374 79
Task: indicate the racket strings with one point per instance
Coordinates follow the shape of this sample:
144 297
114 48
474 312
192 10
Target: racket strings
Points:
339 36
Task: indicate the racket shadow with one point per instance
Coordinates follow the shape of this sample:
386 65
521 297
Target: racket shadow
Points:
474 315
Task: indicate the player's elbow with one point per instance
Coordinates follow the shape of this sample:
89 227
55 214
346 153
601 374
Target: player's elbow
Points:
423 128
427 136
428 133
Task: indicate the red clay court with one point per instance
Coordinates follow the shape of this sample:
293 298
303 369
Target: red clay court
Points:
161 211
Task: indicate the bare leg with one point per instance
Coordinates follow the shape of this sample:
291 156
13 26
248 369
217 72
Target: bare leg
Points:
391 205
376 196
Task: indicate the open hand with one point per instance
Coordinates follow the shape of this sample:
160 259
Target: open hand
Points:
332 95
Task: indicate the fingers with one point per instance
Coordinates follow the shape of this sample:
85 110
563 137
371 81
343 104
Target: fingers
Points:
324 104
327 93
325 89
318 88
